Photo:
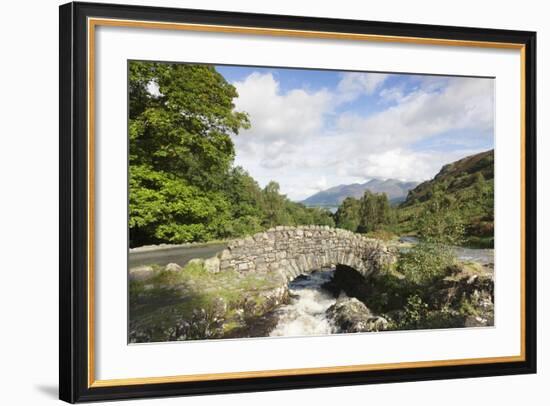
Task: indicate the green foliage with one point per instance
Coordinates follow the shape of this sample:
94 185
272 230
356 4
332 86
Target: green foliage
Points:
440 222
415 312
347 216
370 213
274 204
383 235
301 214
374 212
187 129
425 262
439 226
167 209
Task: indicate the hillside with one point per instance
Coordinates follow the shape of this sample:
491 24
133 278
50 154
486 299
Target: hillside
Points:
454 177
395 189
468 186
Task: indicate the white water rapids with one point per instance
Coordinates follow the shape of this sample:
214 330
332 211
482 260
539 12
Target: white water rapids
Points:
305 314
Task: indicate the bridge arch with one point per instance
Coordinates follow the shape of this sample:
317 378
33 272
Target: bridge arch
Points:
293 251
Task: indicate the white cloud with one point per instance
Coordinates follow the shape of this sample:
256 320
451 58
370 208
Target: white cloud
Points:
291 142
275 115
353 84
321 183
403 164
463 104
395 94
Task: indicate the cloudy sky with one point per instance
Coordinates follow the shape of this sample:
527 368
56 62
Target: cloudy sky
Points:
312 130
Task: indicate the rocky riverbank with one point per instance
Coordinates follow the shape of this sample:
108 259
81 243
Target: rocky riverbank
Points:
464 297
173 303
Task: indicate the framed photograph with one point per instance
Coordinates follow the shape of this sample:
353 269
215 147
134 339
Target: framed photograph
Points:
256 202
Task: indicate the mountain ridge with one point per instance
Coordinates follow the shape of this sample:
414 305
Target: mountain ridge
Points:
395 189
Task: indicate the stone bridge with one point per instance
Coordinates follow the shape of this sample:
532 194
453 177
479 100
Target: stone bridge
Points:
300 250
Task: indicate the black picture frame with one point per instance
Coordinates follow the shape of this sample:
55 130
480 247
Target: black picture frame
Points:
74 385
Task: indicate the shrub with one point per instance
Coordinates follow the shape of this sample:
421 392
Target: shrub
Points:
425 263
383 235
415 312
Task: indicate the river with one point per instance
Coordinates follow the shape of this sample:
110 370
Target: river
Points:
482 255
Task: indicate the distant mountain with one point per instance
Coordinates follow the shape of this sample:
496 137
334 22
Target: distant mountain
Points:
395 189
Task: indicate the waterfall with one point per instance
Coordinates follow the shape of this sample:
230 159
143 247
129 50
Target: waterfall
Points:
305 314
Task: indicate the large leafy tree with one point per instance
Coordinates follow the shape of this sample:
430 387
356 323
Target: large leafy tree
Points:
181 121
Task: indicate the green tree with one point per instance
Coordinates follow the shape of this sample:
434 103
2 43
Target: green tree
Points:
246 200
439 226
244 193
347 216
167 209
320 216
186 129
275 206
384 210
441 222
180 151
374 212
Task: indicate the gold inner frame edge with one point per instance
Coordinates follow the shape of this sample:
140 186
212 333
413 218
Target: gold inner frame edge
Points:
93 22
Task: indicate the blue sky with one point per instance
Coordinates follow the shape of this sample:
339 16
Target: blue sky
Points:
314 129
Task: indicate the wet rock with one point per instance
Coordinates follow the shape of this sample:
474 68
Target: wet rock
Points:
350 315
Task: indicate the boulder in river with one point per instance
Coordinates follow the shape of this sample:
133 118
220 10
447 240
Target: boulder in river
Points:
350 315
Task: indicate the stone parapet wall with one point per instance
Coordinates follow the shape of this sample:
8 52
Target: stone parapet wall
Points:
303 249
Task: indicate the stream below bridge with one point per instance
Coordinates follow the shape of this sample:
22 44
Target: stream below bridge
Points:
306 312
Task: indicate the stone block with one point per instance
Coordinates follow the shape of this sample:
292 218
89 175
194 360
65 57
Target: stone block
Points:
173 268
224 265
212 264
225 254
